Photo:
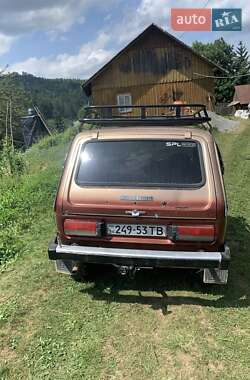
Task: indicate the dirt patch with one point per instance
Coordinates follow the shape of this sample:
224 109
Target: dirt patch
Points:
7 354
216 367
221 123
4 299
187 365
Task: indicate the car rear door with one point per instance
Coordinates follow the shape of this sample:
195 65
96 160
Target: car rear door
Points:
152 181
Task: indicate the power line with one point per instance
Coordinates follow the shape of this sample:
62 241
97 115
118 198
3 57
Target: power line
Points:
230 77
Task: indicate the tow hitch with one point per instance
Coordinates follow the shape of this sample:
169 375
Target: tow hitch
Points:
129 271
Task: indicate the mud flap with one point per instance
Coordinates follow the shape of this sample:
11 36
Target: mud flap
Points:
215 276
64 266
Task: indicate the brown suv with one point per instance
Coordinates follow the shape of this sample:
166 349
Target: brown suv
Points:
143 196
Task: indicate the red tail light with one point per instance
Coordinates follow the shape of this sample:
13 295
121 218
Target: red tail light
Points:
194 233
79 227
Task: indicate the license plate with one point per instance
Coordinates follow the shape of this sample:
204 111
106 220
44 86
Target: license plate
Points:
136 230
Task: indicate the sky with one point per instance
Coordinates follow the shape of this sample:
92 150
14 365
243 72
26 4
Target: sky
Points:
74 38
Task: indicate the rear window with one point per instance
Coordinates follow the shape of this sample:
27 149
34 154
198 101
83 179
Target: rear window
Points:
141 163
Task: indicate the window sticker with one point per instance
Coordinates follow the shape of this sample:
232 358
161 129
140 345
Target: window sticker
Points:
180 144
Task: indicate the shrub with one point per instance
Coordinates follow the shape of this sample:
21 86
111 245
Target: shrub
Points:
12 162
10 237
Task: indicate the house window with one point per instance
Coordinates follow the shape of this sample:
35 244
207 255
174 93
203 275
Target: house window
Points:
124 100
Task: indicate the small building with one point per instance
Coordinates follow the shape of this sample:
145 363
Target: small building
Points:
155 68
241 97
34 127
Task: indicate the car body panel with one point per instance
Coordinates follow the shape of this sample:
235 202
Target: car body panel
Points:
160 206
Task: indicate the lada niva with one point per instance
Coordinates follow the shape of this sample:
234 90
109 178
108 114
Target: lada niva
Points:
143 196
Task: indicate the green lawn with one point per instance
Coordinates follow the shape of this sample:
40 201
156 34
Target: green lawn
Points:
162 325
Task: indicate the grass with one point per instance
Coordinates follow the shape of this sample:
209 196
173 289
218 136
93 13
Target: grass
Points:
162 325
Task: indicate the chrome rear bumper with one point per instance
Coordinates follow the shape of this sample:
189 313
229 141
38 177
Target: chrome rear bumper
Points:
140 257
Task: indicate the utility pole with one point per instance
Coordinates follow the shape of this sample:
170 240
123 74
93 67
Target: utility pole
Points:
11 129
6 119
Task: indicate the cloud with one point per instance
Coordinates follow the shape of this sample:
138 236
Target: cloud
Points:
57 18
5 43
90 58
19 17
147 12
25 16
158 11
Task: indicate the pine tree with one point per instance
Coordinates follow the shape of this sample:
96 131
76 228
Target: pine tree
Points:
242 64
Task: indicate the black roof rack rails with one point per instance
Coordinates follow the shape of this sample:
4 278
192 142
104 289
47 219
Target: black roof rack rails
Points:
147 115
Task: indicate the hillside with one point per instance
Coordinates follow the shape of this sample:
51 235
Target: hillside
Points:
162 325
57 99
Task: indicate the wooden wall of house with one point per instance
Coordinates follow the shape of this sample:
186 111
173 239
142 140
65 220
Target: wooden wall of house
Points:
161 93
155 70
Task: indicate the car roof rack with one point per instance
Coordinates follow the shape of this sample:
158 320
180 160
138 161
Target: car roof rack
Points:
147 115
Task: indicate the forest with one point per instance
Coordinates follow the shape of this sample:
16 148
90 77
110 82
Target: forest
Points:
58 99
234 59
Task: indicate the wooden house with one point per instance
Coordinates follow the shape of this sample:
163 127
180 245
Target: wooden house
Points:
155 68
241 98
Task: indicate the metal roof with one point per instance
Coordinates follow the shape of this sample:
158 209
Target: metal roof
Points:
153 27
233 103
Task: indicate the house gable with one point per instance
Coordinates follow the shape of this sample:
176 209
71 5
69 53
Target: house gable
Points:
154 56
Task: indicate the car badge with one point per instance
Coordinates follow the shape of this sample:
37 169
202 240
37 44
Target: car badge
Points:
135 213
138 198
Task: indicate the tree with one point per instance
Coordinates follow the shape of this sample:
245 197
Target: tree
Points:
81 113
59 124
13 104
56 98
224 55
242 64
